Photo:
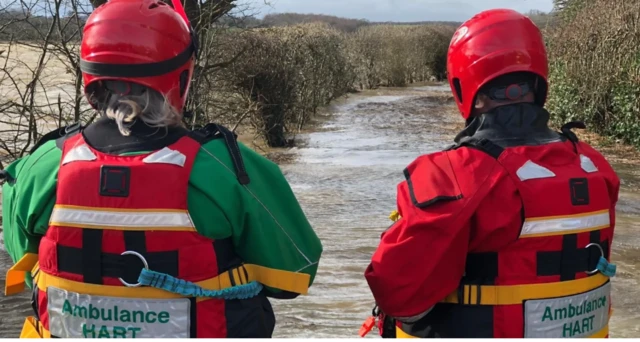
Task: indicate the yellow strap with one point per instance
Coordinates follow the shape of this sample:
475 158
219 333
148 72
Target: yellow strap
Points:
401 334
279 279
32 328
603 333
15 282
283 280
516 294
600 334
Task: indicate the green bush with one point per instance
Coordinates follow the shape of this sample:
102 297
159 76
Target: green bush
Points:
595 67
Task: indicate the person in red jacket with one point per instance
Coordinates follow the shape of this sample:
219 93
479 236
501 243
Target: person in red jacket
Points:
508 233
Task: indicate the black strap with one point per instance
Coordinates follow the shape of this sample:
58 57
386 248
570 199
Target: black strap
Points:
482 266
483 145
59 135
5 177
566 132
213 131
571 260
138 70
127 267
90 256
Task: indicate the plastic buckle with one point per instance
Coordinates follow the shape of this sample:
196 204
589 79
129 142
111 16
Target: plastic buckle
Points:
72 128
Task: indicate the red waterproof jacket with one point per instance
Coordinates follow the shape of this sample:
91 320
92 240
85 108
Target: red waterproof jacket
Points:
501 235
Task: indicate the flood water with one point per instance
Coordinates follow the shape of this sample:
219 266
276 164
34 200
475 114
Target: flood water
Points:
345 176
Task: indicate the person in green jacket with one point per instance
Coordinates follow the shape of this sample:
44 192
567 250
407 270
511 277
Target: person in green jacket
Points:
137 227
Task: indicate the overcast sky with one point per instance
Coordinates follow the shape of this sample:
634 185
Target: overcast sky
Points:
398 10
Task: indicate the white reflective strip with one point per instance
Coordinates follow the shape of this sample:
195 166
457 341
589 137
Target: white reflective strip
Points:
166 156
531 170
79 153
565 224
587 165
84 217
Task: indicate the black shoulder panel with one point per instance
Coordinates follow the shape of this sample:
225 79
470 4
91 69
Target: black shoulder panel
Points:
60 135
214 131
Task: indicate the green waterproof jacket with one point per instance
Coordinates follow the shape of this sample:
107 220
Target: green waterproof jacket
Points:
263 219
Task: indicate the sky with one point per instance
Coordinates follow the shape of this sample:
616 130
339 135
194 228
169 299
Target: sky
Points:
396 10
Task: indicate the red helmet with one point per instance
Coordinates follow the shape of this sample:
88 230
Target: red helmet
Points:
144 42
491 44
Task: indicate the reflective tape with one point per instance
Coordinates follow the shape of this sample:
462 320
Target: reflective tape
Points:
101 218
560 225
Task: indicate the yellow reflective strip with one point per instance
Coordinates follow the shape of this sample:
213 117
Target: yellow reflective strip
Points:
121 219
401 334
279 279
565 232
123 228
77 207
545 218
602 333
562 225
516 294
15 281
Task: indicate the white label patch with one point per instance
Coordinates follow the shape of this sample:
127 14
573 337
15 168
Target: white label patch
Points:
73 315
576 316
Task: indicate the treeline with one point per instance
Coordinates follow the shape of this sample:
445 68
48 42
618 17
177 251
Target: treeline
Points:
595 66
273 79
284 74
289 19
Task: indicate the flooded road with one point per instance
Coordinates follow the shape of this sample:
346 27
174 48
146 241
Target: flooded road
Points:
345 176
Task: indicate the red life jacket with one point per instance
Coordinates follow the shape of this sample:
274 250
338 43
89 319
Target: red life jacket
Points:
105 206
544 284
115 215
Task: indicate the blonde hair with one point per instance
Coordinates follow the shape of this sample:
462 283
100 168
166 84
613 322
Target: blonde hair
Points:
151 107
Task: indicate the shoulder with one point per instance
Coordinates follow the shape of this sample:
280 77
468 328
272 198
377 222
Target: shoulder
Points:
43 157
229 159
450 175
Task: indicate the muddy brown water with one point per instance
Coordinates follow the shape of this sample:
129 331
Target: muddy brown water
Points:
345 176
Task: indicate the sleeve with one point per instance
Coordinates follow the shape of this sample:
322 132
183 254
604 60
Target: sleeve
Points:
28 199
266 223
420 259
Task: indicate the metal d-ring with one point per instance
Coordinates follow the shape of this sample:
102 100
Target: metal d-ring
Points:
144 262
601 253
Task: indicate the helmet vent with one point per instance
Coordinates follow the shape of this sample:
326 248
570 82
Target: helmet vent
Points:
458 88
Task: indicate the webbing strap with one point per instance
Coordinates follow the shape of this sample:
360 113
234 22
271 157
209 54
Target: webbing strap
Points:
517 294
278 279
188 289
604 332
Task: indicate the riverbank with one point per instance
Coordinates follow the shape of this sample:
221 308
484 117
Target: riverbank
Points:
345 171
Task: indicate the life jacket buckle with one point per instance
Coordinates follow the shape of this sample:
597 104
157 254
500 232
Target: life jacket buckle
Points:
597 269
144 262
